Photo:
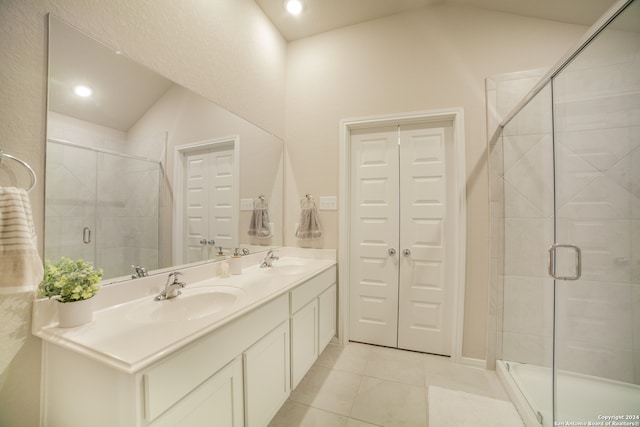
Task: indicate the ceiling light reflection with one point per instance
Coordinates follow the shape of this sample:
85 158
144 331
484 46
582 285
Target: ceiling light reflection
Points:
83 91
294 7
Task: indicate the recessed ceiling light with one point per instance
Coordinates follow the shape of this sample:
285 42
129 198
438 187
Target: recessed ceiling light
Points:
83 91
294 7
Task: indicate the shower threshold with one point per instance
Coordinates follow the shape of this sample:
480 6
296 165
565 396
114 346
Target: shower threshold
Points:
582 399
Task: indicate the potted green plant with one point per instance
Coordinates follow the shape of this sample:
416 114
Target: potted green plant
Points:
73 284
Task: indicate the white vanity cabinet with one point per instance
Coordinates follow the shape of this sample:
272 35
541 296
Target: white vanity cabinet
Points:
234 374
313 321
198 385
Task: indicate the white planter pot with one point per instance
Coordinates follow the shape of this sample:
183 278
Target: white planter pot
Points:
71 314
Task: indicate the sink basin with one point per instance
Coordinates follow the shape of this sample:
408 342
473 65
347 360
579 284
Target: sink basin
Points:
288 267
191 305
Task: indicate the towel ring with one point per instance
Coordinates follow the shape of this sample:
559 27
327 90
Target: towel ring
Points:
34 179
260 202
307 201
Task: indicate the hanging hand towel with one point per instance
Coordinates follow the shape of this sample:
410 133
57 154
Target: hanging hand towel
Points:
259 225
309 226
20 264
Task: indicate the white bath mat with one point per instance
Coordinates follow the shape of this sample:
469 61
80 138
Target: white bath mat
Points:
450 408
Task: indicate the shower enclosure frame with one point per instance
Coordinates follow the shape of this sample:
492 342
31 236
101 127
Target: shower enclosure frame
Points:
498 224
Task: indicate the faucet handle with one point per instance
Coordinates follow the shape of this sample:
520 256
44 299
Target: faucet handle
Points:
175 275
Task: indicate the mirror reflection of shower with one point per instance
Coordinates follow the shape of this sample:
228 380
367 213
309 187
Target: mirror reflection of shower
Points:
102 207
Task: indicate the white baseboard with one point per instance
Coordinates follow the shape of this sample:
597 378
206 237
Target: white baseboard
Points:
474 363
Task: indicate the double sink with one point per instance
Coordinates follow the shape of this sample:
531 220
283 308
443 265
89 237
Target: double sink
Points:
209 298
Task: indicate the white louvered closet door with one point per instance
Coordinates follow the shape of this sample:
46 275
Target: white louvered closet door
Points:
400 290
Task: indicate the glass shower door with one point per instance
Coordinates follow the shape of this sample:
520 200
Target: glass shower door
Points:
70 217
596 104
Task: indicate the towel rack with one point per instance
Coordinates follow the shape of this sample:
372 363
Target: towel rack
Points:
34 179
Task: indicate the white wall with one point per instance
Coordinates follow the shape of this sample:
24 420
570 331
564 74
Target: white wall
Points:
431 58
228 51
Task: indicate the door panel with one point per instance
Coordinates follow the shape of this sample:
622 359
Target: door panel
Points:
221 199
425 298
374 279
596 179
196 208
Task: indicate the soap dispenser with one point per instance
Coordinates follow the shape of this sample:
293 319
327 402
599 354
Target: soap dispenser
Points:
236 262
223 264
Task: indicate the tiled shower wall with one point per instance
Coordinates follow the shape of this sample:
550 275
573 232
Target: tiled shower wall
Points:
597 194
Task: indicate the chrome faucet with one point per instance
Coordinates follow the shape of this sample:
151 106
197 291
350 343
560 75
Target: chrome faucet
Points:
268 259
172 288
140 272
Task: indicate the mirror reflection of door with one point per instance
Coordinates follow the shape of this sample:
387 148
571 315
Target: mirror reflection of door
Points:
209 202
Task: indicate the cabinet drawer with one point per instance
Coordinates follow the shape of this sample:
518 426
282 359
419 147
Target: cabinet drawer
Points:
171 380
310 289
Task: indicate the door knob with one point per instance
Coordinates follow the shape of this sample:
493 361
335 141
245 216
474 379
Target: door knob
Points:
406 252
392 252
203 242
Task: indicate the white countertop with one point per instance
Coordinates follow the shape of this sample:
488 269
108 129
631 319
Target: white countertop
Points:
124 338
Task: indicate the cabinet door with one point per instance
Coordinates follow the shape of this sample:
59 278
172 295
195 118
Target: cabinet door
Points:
327 317
304 341
217 402
267 379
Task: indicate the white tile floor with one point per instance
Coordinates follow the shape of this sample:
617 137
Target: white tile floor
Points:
364 385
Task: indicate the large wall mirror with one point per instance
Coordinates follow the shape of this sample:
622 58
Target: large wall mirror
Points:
142 172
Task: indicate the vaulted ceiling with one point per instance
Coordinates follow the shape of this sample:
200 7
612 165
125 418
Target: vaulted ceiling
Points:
318 16
324 15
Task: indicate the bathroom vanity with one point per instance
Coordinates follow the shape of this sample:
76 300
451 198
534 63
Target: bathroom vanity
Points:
227 352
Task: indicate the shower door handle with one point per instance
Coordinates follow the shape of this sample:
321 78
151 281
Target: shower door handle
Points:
552 263
86 235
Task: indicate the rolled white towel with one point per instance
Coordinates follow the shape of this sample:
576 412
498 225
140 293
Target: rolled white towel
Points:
20 263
